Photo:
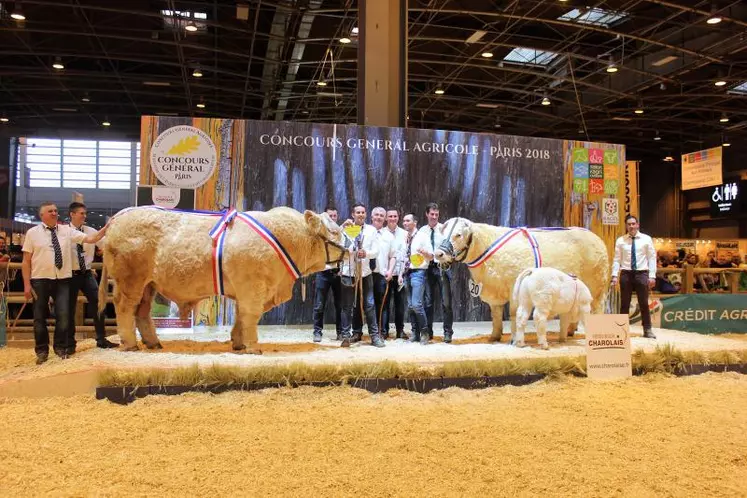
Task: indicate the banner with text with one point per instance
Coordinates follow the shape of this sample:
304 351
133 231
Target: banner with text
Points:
702 313
608 347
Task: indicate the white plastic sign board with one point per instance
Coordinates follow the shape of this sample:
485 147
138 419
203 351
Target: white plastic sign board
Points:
608 347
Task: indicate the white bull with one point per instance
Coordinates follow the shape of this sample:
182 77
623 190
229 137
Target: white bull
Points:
550 292
152 250
496 255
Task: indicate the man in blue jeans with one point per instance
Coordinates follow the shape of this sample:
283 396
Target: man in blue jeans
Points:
437 281
327 280
84 280
47 269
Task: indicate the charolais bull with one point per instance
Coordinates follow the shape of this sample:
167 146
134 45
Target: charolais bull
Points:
251 257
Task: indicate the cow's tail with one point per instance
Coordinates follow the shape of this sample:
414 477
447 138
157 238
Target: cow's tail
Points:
103 288
517 285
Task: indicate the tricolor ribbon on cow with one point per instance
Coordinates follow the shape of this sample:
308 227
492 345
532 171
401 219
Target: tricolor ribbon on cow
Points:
502 241
218 234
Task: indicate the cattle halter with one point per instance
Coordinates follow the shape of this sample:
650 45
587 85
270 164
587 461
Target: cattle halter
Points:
448 248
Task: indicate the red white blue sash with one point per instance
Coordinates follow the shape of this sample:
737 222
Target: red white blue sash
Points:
502 241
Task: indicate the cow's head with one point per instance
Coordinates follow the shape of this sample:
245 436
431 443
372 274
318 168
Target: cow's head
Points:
457 238
330 232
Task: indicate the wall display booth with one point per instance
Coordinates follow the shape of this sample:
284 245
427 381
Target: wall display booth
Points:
497 179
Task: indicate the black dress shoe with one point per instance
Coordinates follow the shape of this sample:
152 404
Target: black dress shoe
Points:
41 358
448 336
106 344
317 336
648 334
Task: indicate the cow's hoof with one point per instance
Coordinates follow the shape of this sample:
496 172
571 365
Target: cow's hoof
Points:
154 346
239 349
128 348
571 332
496 338
545 346
519 344
254 350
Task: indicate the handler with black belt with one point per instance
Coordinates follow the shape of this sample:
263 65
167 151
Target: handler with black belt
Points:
84 279
635 260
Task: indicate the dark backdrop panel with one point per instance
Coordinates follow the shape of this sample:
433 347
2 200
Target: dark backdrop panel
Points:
496 179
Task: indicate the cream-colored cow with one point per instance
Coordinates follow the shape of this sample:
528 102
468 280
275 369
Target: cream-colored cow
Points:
152 250
496 255
550 292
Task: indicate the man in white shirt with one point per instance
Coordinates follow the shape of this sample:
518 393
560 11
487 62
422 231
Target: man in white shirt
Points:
356 264
382 269
635 260
325 281
84 279
47 269
437 281
397 293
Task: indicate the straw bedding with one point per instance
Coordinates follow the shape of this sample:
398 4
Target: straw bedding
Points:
654 435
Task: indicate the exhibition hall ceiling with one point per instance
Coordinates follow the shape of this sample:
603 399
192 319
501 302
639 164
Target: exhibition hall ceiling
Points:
660 76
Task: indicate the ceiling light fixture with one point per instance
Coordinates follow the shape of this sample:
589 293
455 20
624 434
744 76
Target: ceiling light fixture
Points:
57 64
4 120
723 119
85 98
487 55
321 83
106 123
191 27
725 141
545 100
439 91
201 105
354 31
197 73
17 14
345 40
668 159
657 137
720 81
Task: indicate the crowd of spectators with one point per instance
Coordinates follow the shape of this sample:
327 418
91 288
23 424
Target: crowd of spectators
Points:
671 283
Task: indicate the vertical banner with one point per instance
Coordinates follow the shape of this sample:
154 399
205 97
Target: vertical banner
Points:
608 353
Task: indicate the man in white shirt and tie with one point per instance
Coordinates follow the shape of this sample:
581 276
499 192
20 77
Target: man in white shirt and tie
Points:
397 294
357 263
437 280
47 269
410 224
83 278
325 281
382 268
635 260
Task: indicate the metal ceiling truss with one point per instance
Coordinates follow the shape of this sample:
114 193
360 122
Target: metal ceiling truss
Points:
262 59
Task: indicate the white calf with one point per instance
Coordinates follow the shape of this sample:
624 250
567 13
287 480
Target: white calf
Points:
550 292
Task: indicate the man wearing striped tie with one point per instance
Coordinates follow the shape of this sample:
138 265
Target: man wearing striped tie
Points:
84 278
47 270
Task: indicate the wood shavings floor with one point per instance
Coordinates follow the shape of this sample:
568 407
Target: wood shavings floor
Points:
646 436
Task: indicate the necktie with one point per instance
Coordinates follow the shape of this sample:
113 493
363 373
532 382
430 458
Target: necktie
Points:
633 262
57 248
81 258
433 239
409 249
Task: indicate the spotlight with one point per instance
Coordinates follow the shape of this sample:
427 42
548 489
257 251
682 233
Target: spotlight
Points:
714 20
723 119
57 64
106 123
17 14
720 82
321 83
197 73
191 27
439 91
345 40
487 55
4 120
545 101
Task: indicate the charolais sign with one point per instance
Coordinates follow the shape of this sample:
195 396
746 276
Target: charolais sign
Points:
702 313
